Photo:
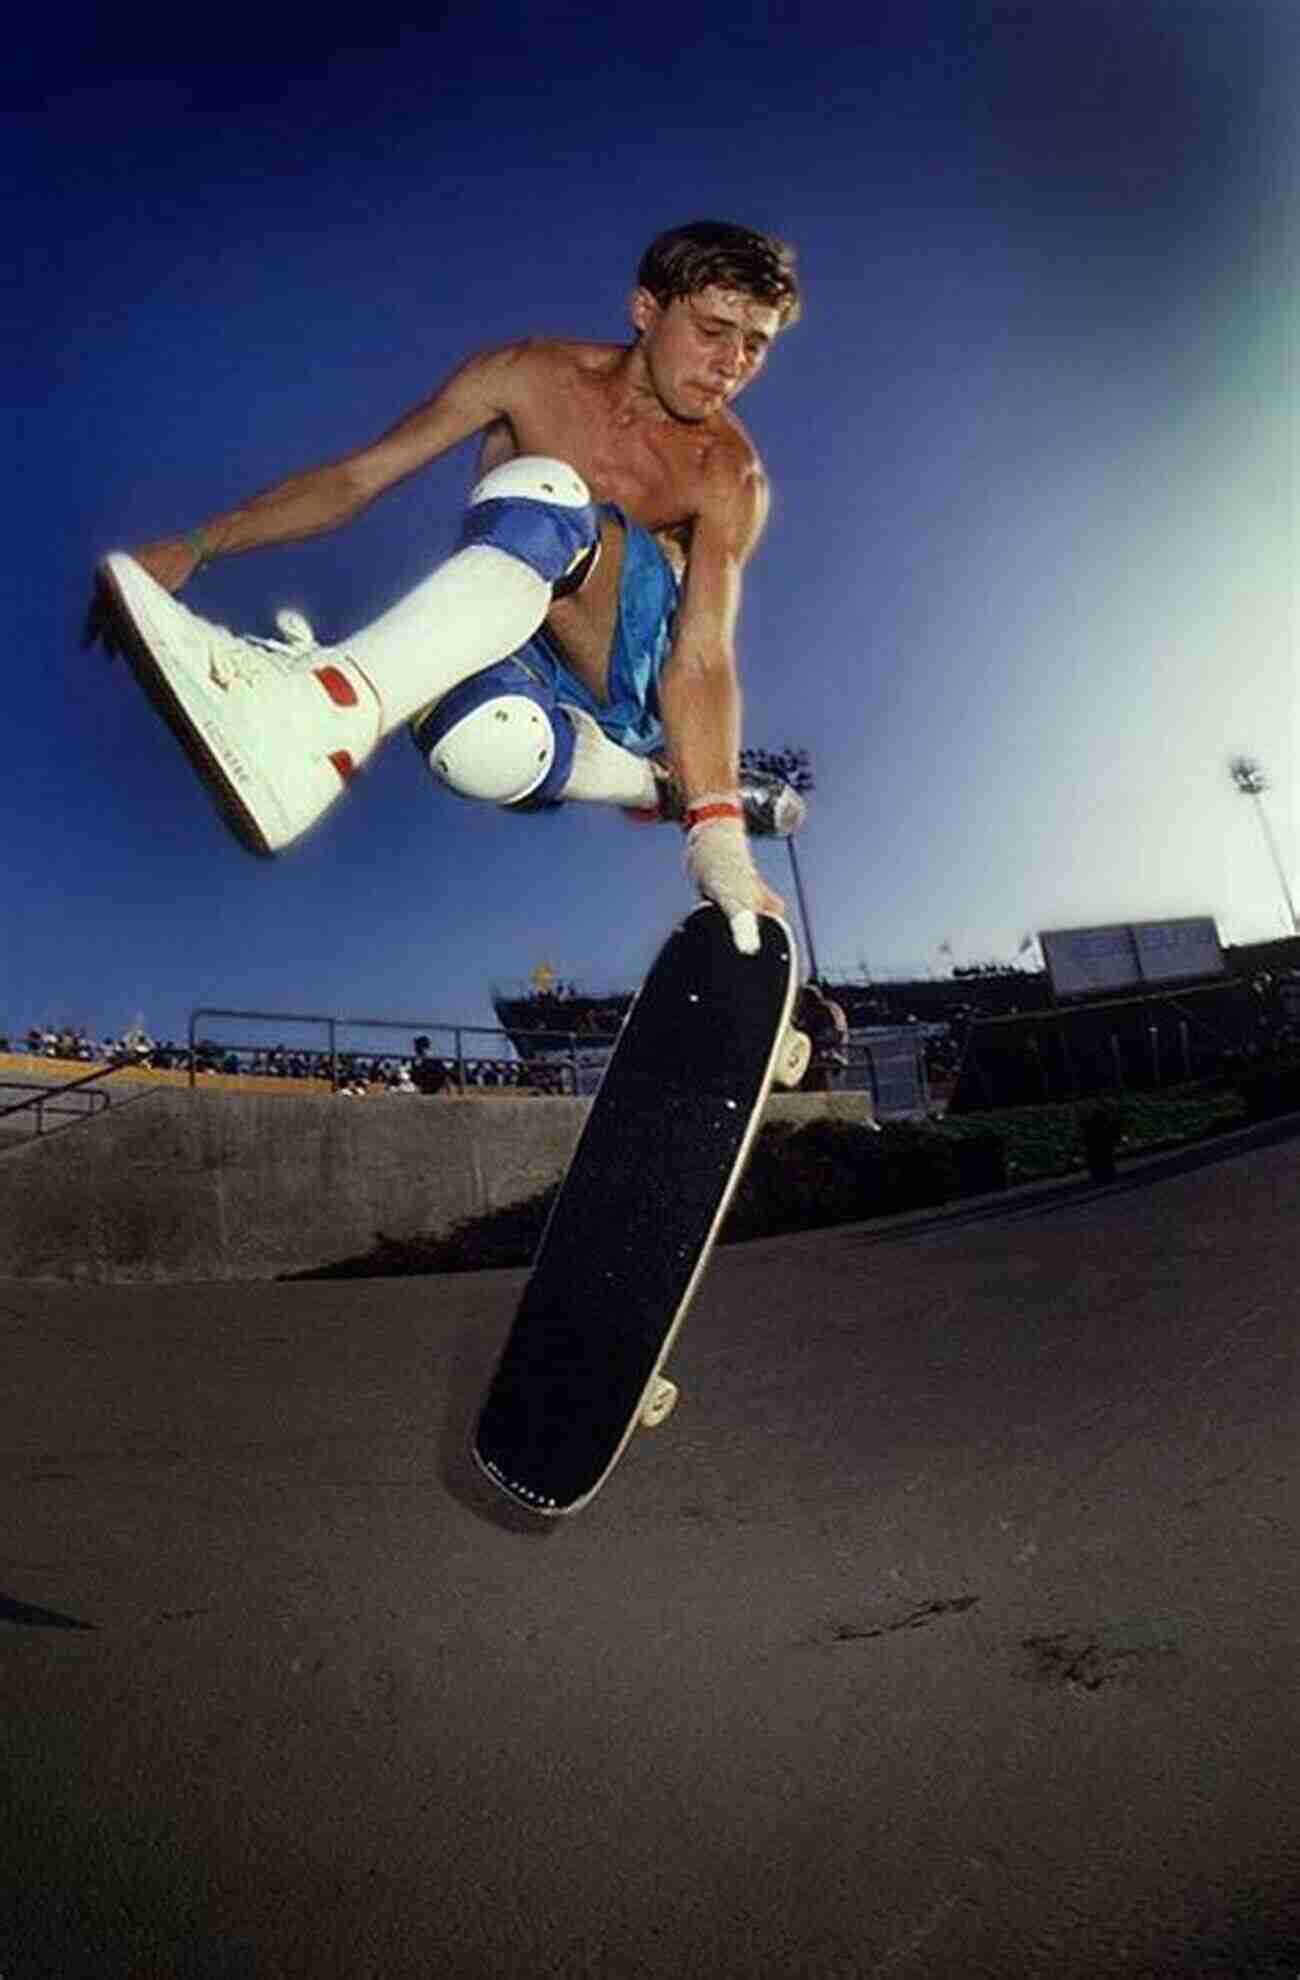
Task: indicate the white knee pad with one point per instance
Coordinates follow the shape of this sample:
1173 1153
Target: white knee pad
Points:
498 737
533 478
539 511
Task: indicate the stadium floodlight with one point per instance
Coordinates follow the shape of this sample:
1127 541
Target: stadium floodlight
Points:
1249 778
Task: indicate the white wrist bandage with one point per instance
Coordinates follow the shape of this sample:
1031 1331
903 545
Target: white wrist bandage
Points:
721 867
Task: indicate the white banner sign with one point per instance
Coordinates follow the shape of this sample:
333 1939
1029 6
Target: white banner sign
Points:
1083 961
1170 951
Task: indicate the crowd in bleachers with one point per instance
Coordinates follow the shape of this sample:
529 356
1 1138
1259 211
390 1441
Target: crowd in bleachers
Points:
73 1043
358 1074
359 1078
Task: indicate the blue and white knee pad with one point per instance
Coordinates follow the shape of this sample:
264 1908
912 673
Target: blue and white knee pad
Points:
500 736
541 512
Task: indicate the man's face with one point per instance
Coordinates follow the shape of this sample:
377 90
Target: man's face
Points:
702 350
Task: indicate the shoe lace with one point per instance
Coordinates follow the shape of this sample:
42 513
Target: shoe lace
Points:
242 659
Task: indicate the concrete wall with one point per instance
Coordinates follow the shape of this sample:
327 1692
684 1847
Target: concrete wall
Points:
179 1185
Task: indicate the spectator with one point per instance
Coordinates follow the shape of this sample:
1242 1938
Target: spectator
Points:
428 1075
137 1044
828 1028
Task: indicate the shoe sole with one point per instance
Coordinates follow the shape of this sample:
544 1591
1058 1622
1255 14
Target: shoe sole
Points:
183 724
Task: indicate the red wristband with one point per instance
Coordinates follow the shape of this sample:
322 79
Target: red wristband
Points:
711 808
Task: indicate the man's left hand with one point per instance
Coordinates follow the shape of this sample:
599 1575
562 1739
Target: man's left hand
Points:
720 864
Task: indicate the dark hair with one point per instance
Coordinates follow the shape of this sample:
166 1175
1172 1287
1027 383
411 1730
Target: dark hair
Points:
705 253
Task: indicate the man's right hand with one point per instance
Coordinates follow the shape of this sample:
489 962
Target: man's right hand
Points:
172 562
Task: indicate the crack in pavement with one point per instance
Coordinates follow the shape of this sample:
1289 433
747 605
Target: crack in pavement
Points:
915 1618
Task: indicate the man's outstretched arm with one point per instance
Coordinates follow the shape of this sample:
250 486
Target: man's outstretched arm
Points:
324 498
700 703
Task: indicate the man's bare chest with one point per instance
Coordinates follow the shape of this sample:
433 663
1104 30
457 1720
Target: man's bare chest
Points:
652 476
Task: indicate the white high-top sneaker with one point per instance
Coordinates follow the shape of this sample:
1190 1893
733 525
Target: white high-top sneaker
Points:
275 728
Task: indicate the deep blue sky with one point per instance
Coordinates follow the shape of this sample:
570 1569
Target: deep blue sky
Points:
1028 582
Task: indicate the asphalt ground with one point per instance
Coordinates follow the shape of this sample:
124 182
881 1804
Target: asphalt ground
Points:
950 1627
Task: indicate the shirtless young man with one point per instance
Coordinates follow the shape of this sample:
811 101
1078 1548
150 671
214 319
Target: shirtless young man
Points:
580 642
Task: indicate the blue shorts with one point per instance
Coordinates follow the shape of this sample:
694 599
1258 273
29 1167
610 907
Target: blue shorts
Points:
647 607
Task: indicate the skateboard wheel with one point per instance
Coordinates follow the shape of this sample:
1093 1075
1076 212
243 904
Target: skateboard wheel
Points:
793 1058
659 1403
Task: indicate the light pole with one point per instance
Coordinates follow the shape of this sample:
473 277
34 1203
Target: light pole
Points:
813 970
793 766
1250 780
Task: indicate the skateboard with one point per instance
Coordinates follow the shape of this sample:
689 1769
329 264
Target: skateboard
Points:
632 1228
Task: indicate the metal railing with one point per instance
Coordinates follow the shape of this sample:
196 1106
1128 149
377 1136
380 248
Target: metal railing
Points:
44 1096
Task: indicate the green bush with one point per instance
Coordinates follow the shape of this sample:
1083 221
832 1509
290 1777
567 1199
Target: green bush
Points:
982 1162
1101 1129
837 1172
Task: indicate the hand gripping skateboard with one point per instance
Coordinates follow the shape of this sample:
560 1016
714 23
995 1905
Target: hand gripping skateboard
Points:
638 1211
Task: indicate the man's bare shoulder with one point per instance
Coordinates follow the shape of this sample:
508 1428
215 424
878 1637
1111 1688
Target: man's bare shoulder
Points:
548 360
731 493
736 448
731 468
